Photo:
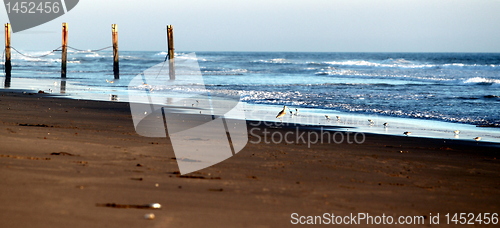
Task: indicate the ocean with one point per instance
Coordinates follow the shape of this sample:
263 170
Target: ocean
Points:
431 94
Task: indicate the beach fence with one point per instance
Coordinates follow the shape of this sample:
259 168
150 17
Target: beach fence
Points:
64 51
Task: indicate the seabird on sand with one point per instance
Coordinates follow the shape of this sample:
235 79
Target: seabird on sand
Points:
282 113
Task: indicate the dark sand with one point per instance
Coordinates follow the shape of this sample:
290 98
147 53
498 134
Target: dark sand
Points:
61 158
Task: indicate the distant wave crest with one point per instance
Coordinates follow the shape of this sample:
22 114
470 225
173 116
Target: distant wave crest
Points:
482 81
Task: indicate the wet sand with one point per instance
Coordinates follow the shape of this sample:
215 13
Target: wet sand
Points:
63 160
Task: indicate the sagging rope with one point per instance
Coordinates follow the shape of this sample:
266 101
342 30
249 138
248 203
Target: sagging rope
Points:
44 55
80 50
57 49
35 57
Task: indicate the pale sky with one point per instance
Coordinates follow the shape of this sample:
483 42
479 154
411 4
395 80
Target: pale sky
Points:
276 25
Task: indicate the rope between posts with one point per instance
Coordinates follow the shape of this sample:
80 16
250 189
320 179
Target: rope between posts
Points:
57 49
30 56
80 50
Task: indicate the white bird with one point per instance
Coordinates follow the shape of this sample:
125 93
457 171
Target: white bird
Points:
386 124
371 121
407 133
327 117
477 138
456 132
338 118
296 112
282 113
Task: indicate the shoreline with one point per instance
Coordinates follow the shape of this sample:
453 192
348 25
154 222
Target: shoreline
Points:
267 123
428 128
60 158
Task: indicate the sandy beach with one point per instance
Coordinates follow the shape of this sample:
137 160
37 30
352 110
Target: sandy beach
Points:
78 163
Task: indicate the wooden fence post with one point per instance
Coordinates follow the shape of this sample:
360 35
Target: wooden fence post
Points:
64 49
62 89
171 55
8 65
116 68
